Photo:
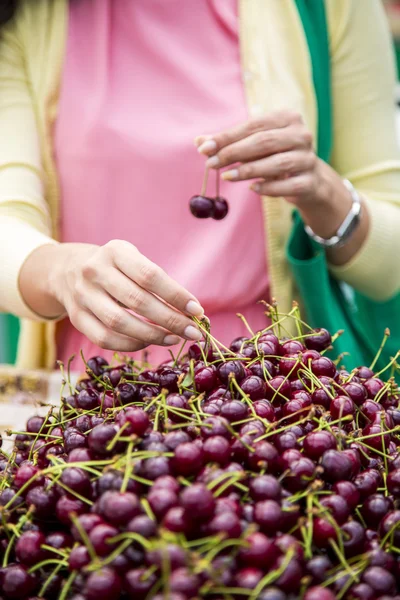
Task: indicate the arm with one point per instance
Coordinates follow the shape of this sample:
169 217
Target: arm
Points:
94 285
366 149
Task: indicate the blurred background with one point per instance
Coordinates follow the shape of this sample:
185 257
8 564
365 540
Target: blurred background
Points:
9 325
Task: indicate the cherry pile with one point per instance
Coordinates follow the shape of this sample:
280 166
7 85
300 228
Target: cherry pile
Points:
260 471
203 207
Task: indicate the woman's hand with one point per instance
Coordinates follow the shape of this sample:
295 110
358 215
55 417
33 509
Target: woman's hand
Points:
277 151
96 285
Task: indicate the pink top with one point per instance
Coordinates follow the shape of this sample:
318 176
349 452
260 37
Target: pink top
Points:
141 80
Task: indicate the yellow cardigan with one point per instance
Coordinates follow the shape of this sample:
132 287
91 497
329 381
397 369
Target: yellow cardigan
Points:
276 73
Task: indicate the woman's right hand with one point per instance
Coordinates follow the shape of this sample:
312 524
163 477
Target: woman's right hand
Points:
96 285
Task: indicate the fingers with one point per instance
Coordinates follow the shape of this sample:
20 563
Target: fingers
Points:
101 335
262 144
274 167
299 185
210 144
152 278
121 321
137 299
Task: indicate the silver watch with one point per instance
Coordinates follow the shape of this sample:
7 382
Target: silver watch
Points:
346 228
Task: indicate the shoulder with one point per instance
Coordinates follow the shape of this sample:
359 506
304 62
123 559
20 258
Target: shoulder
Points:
34 19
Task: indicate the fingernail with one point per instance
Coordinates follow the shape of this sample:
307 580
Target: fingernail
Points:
207 146
171 340
192 333
194 308
212 162
232 174
256 187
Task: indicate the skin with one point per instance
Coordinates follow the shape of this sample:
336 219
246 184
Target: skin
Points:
95 285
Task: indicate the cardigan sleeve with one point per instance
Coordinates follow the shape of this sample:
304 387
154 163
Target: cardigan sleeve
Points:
366 149
25 222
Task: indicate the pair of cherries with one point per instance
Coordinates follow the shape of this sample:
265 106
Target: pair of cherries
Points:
204 207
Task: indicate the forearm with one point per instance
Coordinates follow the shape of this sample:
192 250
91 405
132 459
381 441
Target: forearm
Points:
329 209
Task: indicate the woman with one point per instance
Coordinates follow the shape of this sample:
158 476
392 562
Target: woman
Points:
100 101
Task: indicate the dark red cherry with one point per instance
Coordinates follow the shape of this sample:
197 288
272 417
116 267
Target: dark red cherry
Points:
221 208
198 502
323 366
319 593
356 391
317 442
337 506
206 379
353 538
374 387
229 369
336 465
342 406
268 515
319 340
259 551
201 207
380 580
254 387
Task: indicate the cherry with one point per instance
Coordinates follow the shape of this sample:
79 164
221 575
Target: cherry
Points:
254 387
201 349
258 551
225 523
66 507
234 410
215 426
74 439
100 537
317 567
27 476
117 507
138 421
302 472
264 409
229 369
174 438
248 578
188 459
356 392
323 532
206 379
278 388
342 406
393 483
268 515
79 558
290 579
217 449
337 506
198 502
323 366
349 492
353 538
87 522
184 582
87 399
391 523
139 582
265 456
59 540
318 442
175 555
17 583
97 364
36 424
366 484
272 593
43 500
380 580
375 507
319 340
161 501
201 207
265 487
143 525
373 387
221 209
156 467
28 548
319 593
176 520
76 480
336 465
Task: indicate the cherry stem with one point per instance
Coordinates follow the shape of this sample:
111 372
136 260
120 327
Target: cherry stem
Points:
205 180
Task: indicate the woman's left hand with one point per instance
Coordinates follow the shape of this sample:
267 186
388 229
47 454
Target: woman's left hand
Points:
276 150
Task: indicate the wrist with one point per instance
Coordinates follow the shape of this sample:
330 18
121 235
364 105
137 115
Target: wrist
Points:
330 205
